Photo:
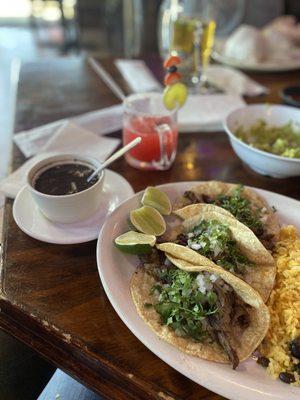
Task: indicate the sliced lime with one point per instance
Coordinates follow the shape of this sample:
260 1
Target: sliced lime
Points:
157 199
148 220
135 242
175 95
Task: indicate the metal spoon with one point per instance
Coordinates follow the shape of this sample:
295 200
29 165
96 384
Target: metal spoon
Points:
115 156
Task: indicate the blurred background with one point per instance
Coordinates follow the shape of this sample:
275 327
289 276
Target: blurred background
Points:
36 30
32 29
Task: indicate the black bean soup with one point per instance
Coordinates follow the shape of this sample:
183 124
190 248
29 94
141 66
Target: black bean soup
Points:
63 179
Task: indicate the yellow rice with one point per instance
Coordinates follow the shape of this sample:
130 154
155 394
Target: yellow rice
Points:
284 305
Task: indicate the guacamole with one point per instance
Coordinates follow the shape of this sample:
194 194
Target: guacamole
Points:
280 140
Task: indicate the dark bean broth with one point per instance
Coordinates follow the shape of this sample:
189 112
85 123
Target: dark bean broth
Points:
63 179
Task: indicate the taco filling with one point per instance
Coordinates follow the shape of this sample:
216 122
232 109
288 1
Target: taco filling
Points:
199 306
240 207
214 240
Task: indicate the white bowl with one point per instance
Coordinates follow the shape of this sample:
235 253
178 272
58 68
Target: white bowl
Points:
67 208
260 161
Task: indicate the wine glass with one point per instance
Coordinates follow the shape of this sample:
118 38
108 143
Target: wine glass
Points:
192 38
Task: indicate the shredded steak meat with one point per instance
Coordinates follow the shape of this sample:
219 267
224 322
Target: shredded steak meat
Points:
171 234
152 260
192 197
182 239
195 198
266 239
231 312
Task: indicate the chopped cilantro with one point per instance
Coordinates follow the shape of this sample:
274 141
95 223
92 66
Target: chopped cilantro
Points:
241 208
181 305
214 240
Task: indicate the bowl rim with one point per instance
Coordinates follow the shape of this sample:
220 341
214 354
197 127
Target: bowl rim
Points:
286 95
265 153
55 159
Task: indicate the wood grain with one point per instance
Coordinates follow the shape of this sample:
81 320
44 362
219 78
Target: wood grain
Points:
51 296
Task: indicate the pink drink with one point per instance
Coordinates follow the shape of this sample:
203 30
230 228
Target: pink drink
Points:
159 134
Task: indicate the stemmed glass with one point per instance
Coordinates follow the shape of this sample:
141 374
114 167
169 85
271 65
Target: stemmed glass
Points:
192 38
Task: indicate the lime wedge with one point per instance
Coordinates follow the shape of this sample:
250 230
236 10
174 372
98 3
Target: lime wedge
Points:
135 243
175 95
157 199
148 220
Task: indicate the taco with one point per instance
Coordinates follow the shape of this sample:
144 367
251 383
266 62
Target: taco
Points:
243 203
201 310
217 239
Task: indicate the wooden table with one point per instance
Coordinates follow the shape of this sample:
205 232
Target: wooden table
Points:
51 296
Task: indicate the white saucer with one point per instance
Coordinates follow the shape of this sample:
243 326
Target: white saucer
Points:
31 221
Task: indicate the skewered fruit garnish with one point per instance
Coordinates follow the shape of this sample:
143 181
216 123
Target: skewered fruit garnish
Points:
172 77
175 95
172 60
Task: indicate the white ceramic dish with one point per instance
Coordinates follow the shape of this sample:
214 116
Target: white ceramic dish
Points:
250 381
68 208
287 64
30 220
260 161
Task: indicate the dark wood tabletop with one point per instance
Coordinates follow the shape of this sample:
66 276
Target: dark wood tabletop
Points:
51 295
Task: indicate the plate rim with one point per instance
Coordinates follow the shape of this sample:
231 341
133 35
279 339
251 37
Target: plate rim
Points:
232 62
210 386
65 241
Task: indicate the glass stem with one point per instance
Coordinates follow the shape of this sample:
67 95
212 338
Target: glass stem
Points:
196 79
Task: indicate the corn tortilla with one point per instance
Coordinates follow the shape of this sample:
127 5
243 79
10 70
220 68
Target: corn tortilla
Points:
251 337
214 188
261 276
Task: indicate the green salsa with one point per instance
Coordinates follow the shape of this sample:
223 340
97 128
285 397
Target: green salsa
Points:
280 140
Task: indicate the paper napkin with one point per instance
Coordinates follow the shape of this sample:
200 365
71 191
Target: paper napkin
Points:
140 79
138 76
233 81
207 112
69 138
100 122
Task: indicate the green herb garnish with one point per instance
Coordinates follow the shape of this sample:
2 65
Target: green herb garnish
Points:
241 208
214 240
180 304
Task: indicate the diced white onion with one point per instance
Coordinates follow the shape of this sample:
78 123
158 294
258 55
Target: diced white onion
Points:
213 278
203 283
195 246
167 262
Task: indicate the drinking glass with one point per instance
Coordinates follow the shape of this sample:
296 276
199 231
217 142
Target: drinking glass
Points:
146 116
193 25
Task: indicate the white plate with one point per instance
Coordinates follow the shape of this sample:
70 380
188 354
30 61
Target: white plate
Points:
31 221
289 64
250 381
